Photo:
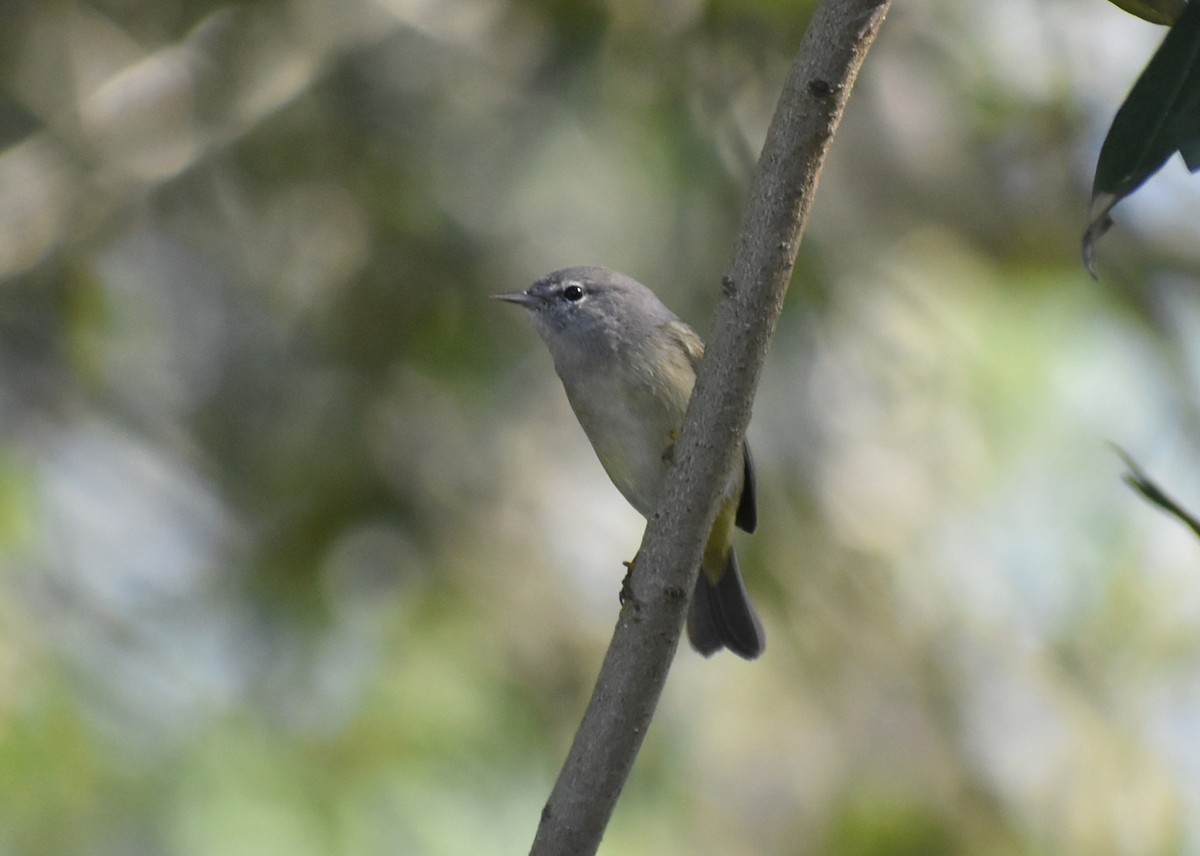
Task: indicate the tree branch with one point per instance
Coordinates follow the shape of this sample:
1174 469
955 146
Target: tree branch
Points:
1154 494
647 634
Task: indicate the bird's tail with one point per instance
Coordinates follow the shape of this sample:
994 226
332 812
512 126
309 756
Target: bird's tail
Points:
721 615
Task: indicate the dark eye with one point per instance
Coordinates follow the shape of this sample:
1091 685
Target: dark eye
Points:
573 292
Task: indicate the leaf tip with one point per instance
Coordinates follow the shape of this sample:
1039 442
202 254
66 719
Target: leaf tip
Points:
1099 222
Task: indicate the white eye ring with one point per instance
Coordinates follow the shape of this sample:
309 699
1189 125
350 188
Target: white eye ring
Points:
573 292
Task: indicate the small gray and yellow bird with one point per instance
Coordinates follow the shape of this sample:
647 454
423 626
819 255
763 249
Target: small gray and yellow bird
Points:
628 365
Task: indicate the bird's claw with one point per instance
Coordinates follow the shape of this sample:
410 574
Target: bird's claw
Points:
626 593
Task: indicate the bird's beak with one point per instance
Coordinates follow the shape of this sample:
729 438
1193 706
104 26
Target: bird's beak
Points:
524 298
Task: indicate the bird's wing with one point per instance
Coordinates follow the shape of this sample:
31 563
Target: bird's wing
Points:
747 510
687 339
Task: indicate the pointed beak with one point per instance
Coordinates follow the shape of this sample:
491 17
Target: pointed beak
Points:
524 298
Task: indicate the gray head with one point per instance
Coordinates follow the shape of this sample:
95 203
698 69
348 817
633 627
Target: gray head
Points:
590 311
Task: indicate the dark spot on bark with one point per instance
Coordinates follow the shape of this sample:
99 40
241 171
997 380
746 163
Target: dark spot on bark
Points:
820 88
728 286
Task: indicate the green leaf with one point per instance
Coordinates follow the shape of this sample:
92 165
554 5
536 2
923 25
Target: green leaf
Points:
1160 116
1154 11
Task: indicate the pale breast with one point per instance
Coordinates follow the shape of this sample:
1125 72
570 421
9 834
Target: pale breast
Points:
631 430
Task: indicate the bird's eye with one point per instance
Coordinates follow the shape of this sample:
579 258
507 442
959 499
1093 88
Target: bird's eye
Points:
573 293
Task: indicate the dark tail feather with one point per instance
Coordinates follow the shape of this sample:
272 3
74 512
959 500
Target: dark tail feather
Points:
721 616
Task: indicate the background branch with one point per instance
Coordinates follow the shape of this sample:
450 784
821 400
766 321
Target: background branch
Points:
647 634
1154 494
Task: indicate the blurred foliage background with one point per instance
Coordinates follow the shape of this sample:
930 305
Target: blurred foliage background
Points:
301 550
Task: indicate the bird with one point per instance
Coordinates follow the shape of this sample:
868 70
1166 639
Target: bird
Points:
628 365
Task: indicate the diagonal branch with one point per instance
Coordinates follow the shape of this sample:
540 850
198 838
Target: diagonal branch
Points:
635 667
1154 494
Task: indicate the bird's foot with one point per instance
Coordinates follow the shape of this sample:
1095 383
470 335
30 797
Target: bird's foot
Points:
626 593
